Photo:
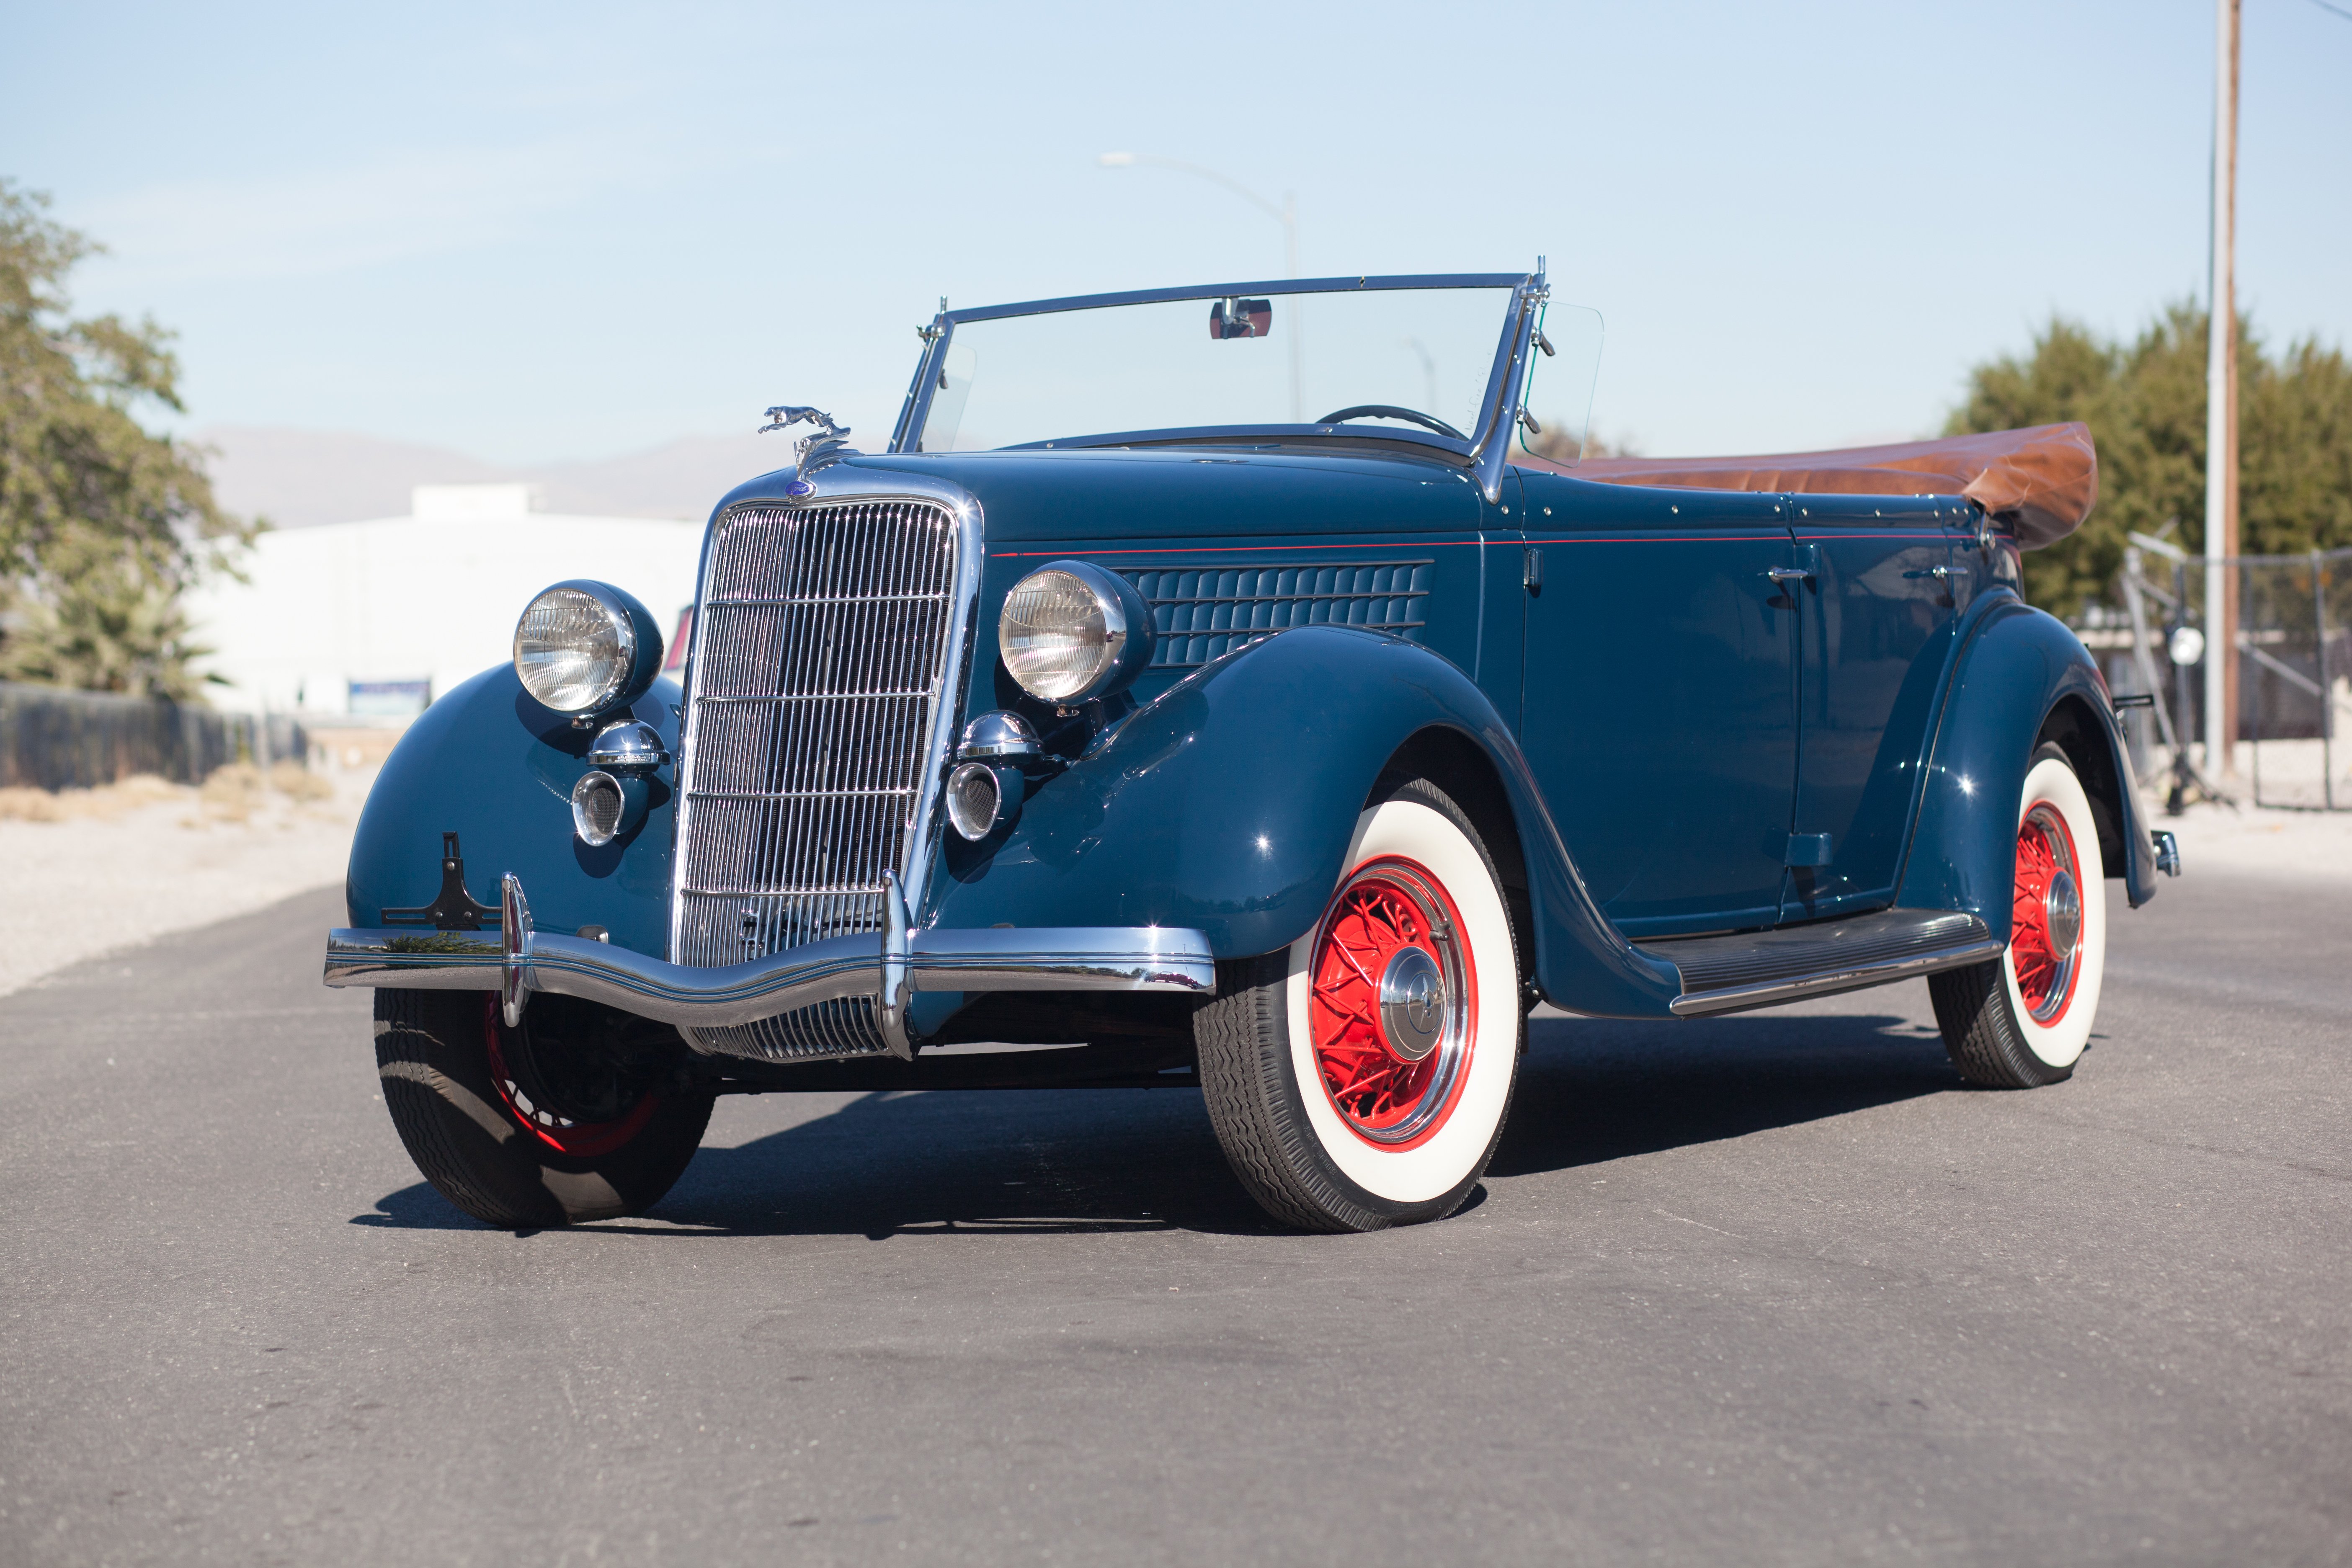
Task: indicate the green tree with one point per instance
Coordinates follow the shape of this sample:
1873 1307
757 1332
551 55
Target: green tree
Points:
102 524
1558 444
2145 403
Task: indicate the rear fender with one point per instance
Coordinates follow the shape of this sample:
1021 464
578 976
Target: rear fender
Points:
1226 806
2022 678
492 766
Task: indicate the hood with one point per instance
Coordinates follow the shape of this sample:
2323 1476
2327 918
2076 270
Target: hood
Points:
1092 494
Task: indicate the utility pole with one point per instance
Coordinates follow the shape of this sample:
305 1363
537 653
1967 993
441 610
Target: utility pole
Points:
2221 411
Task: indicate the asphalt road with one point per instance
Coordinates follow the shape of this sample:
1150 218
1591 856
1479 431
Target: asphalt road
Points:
1766 1289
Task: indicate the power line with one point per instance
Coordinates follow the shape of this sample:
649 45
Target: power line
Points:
2340 10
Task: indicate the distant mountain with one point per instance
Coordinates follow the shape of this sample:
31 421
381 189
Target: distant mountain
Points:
297 479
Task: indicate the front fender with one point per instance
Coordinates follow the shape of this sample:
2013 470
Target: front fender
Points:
492 764
2017 669
1226 806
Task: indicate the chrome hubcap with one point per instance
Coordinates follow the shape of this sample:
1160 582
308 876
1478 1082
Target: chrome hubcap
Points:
2064 907
1412 1004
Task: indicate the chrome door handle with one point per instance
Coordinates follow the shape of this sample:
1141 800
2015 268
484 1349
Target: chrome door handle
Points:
1940 573
1786 574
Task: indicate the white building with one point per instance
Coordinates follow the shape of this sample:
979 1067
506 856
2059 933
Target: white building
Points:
365 618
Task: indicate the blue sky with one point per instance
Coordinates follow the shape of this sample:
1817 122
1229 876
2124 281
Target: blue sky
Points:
536 233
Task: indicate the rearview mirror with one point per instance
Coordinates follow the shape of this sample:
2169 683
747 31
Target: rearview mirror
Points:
1241 318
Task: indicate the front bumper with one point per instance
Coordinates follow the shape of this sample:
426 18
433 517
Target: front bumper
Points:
516 961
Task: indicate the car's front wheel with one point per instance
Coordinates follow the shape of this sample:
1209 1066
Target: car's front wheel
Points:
1359 1078
2022 1019
571 1117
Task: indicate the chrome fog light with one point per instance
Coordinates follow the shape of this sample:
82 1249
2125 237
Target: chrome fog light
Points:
998 736
583 647
604 807
627 744
983 797
1070 632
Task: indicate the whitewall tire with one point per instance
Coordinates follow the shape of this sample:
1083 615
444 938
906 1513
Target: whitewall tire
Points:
2023 1020
1360 1079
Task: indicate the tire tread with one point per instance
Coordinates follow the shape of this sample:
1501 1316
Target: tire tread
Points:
1981 1034
425 1060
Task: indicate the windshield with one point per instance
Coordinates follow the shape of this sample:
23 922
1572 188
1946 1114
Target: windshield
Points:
1274 359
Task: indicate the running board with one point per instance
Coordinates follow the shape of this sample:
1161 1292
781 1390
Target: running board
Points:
1760 968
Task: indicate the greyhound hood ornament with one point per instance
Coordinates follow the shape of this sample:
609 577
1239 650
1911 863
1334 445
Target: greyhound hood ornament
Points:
824 445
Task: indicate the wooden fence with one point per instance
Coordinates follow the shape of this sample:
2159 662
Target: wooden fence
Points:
55 739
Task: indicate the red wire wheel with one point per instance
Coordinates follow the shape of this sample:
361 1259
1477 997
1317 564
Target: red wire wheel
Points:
1393 1007
537 1113
2046 919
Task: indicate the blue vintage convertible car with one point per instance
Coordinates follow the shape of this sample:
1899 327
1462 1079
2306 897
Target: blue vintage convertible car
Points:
1122 719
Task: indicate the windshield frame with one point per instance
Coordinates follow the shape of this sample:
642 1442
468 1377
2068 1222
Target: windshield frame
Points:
1484 451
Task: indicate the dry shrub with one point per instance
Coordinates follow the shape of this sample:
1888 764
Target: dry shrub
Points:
233 793
22 804
103 803
147 789
294 780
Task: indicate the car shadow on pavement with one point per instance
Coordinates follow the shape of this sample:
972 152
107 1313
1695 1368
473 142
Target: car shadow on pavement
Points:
1032 1162
1597 1089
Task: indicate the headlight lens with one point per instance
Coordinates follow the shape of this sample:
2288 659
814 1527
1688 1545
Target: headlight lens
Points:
1059 634
572 650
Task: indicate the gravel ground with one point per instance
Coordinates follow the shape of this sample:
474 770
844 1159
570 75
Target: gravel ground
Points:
2301 846
114 873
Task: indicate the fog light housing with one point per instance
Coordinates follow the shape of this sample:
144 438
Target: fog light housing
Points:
605 807
984 797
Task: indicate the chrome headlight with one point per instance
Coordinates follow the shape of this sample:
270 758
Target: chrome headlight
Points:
583 647
1071 632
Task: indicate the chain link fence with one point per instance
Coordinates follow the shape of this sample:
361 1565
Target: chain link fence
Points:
2293 648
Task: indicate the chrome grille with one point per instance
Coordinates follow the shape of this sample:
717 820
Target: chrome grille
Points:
822 653
1205 613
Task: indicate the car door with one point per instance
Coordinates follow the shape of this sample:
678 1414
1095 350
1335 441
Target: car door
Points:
1876 630
1658 707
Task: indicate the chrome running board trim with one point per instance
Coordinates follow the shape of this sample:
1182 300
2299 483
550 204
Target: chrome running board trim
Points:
1762 969
517 960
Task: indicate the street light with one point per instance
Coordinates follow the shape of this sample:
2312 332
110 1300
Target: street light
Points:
1286 215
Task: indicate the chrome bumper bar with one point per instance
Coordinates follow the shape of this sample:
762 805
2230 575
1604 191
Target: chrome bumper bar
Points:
516 961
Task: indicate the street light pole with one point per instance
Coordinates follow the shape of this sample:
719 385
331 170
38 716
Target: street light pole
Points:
1286 215
2221 409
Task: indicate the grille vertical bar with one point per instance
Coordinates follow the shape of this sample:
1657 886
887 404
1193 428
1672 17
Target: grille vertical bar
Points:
822 651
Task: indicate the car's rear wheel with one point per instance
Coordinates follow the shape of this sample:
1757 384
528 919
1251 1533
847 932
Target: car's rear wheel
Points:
1360 1078
566 1118
2021 1020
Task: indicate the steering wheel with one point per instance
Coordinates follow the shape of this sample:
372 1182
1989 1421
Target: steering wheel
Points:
1391 411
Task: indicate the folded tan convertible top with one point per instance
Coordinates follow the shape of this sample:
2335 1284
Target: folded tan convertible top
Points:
2042 481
